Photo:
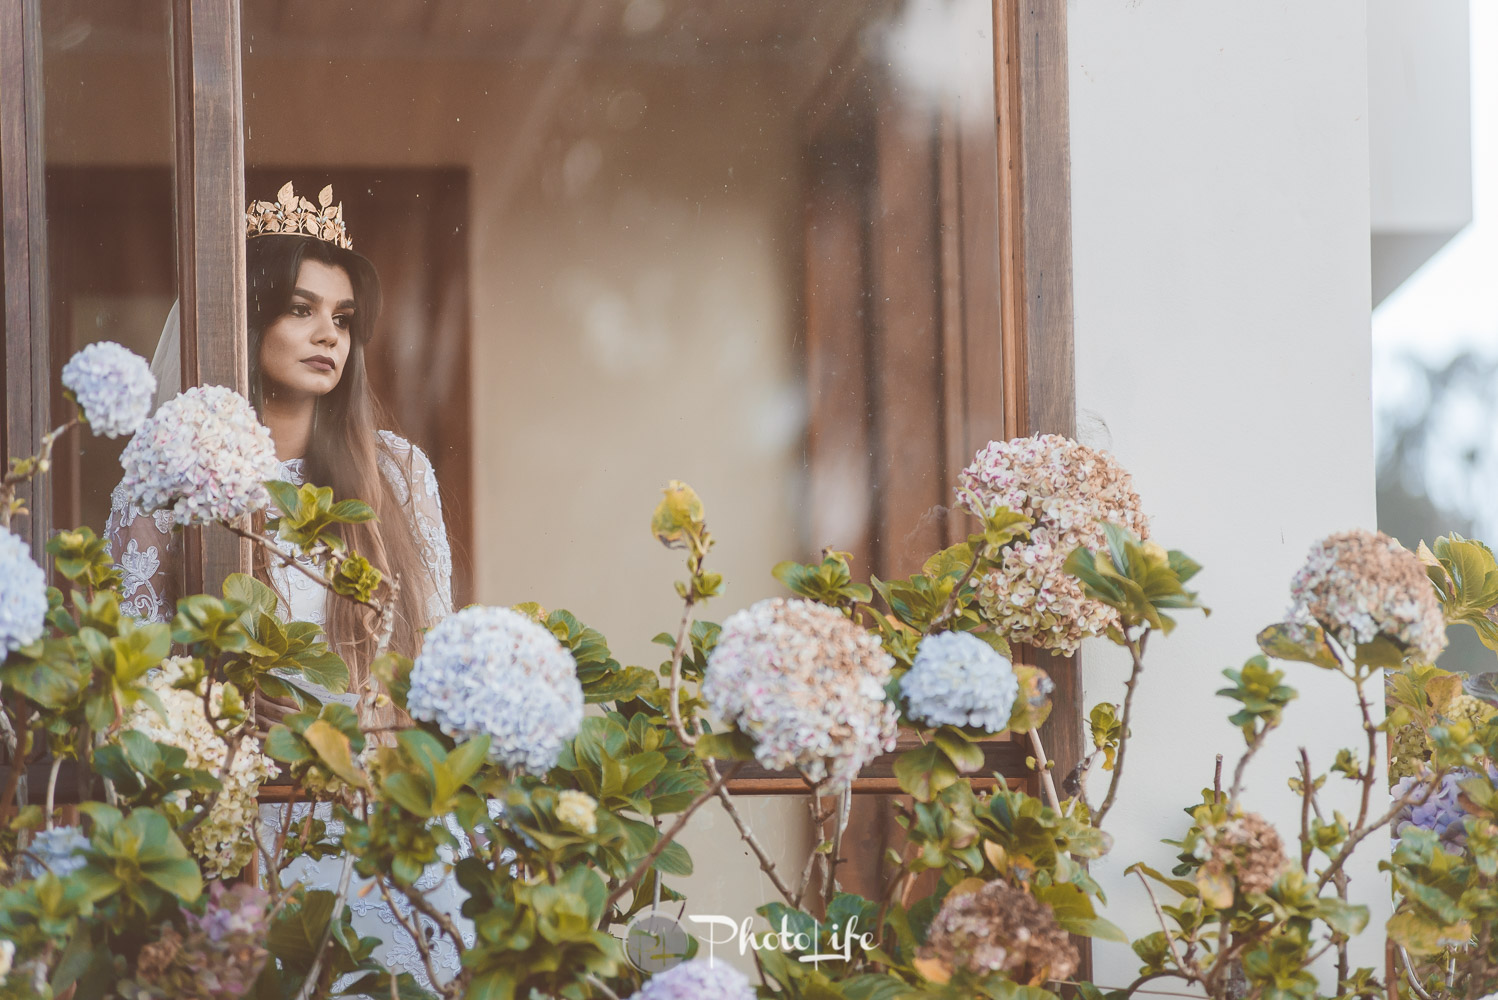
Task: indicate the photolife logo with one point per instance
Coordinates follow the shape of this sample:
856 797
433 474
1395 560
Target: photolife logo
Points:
654 942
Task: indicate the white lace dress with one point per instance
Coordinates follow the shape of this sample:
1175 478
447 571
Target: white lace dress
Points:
144 547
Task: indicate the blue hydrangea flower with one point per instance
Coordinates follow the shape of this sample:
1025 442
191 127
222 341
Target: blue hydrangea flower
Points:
1441 811
112 385
699 979
59 849
23 594
495 671
204 455
960 680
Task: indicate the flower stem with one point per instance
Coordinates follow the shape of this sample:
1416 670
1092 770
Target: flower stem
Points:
1136 651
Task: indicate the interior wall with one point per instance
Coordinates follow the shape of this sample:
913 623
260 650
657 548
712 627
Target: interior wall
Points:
1220 208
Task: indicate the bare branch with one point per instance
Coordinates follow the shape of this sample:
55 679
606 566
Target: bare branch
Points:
1136 651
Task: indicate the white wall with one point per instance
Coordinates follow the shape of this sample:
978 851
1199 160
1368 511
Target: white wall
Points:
1220 224
1419 131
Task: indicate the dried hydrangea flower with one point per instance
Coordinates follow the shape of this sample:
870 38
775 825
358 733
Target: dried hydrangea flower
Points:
23 594
495 671
1069 491
220 956
958 679
1001 929
219 841
1362 584
204 455
578 810
58 850
1247 849
112 385
698 979
806 684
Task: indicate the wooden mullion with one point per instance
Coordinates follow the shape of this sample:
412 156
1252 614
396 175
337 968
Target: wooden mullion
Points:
27 362
210 234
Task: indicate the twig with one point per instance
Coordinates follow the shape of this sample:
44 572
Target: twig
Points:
294 562
1409 974
668 837
1043 764
41 462
1253 747
1165 928
1307 789
1217 779
1136 651
845 808
950 607
601 986
436 916
1411 798
415 932
765 864
315 972
677 652
52 788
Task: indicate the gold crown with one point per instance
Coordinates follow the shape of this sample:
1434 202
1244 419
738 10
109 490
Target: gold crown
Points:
292 214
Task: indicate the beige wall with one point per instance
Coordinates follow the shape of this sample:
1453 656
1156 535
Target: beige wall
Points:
1220 202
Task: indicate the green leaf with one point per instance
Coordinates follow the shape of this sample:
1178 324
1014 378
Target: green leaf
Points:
1301 643
334 751
924 771
964 754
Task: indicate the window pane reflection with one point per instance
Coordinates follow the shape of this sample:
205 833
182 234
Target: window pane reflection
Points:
750 246
111 237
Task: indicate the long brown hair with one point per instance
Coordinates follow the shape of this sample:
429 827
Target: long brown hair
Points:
344 451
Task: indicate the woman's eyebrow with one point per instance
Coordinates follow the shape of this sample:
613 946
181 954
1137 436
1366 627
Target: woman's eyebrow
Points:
316 299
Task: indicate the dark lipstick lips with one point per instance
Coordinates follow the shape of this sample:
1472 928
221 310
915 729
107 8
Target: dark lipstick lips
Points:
319 361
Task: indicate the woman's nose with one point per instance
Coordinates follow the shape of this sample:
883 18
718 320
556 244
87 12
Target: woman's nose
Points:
326 332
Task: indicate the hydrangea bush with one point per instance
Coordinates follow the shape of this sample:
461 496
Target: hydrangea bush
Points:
560 825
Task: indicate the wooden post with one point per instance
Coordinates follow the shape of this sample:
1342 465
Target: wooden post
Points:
210 234
27 364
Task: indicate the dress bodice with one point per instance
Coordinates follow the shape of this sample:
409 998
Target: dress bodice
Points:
143 545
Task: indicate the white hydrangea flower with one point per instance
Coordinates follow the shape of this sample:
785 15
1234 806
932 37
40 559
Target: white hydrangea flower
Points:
23 594
204 454
807 685
219 841
960 680
578 810
698 979
1362 584
1069 491
56 851
495 671
112 385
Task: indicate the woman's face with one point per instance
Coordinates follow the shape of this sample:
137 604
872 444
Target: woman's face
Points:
303 350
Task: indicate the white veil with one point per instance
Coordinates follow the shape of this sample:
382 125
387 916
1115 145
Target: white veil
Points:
166 363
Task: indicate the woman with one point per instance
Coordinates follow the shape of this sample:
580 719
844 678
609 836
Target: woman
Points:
312 306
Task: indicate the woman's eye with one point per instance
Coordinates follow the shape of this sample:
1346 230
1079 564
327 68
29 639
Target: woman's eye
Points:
343 320
300 309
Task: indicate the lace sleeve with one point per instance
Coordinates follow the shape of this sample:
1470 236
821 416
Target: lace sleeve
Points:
144 547
411 474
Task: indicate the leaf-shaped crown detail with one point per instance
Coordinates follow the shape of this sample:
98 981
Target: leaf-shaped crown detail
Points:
292 214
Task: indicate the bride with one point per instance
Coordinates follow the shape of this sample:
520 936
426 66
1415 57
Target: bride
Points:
313 303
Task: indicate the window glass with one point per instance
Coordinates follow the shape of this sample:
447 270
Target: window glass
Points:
111 241
749 246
